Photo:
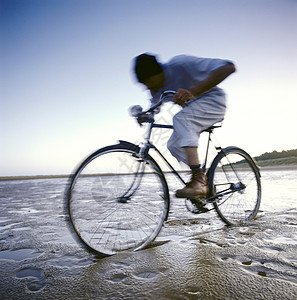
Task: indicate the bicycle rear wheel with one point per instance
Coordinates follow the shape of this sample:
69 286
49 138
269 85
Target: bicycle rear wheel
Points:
117 201
234 181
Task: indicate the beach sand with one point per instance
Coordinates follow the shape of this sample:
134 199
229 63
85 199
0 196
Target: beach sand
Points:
194 257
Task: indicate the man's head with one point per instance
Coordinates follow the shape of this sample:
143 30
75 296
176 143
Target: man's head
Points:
149 71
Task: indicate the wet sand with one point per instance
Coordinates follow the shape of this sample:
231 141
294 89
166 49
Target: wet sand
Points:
194 257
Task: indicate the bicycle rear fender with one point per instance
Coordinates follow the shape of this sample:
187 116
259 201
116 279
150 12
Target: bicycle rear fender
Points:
257 168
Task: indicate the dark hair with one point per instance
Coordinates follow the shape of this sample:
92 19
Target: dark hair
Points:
146 65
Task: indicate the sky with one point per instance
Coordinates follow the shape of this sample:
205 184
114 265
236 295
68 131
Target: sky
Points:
67 81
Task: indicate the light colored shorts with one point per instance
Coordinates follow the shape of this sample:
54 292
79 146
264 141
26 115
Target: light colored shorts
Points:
191 120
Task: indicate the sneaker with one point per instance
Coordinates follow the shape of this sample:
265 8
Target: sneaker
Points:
197 187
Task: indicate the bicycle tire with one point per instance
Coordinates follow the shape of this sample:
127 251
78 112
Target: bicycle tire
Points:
234 182
107 213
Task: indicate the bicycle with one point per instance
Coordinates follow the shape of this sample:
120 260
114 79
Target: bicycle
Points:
118 198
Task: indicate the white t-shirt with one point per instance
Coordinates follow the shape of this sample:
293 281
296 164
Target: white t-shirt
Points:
185 71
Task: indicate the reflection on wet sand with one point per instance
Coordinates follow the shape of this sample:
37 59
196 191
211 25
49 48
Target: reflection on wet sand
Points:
194 257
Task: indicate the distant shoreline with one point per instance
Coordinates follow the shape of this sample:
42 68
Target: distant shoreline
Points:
10 178
28 177
280 167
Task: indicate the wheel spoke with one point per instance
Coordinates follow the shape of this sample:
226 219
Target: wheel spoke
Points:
235 168
117 202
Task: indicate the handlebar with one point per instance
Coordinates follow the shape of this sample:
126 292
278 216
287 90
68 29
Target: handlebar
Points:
161 99
136 110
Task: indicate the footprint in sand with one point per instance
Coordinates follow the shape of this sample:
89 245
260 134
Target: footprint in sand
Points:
35 278
146 275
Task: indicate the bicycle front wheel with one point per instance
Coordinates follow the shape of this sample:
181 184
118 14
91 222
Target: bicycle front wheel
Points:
117 201
234 183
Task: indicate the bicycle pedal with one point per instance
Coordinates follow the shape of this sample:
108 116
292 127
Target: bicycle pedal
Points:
198 199
196 206
200 210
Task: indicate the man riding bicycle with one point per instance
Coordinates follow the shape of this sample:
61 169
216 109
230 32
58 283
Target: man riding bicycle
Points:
203 104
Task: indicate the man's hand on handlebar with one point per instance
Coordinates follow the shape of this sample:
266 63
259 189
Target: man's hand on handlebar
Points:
182 96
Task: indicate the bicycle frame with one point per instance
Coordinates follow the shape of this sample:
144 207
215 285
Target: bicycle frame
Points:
144 150
148 144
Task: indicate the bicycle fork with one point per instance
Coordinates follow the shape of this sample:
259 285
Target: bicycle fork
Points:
135 183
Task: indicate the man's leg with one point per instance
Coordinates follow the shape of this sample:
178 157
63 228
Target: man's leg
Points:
197 187
192 155
188 123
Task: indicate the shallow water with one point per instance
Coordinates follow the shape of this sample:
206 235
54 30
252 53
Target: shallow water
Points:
194 256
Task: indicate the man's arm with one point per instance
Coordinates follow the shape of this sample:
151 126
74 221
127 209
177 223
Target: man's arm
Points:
215 77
